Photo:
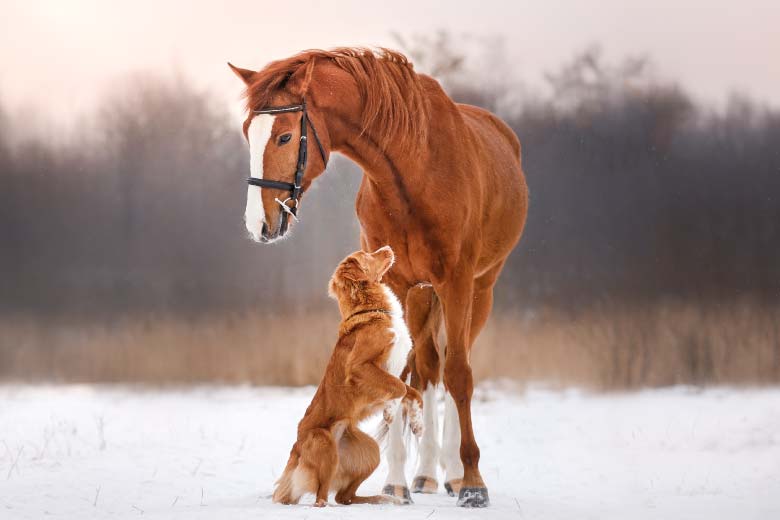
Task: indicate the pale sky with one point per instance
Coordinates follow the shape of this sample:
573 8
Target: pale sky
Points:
57 56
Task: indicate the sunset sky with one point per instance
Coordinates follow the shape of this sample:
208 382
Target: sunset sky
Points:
57 56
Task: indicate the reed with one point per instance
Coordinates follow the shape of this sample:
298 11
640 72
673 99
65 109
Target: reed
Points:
605 348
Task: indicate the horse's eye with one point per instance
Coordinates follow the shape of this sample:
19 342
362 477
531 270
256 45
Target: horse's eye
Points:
284 139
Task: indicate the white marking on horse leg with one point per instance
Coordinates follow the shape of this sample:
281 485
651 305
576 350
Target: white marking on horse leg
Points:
396 452
429 444
259 134
450 446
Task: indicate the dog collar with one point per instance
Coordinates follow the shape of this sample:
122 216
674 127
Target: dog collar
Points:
366 311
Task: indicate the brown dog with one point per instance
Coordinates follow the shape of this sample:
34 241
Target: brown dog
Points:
331 453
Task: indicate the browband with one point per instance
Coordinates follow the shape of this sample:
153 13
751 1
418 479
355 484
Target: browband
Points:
279 110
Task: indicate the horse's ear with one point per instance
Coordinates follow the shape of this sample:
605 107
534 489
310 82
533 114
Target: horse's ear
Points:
299 82
244 74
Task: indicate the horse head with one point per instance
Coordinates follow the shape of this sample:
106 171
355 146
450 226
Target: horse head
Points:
287 149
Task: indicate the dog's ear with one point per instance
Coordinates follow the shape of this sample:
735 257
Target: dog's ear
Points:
332 288
351 270
381 260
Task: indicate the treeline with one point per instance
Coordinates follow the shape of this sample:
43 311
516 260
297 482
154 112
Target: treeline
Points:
638 194
144 213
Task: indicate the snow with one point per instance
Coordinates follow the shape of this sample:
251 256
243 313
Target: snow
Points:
214 452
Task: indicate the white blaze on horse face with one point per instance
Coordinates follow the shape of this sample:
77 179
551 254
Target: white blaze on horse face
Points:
259 134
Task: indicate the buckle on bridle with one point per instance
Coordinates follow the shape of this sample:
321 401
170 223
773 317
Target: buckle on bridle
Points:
286 208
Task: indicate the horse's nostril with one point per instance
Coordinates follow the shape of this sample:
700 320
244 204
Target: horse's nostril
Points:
264 232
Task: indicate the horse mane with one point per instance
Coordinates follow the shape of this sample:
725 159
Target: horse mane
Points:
395 105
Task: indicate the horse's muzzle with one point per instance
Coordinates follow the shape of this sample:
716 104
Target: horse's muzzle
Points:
267 236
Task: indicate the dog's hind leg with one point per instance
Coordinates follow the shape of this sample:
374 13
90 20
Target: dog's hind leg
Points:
316 467
358 458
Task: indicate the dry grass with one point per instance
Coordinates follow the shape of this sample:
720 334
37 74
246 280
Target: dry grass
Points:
242 348
623 348
601 348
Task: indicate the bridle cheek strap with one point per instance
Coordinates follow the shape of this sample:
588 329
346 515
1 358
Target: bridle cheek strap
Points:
300 168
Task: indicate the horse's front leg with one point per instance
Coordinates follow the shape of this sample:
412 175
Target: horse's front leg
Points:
481 305
395 483
456 297
423 315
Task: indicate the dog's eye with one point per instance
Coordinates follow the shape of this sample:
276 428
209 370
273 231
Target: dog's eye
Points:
284 139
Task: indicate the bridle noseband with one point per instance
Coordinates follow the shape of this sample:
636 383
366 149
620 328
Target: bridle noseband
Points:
293 187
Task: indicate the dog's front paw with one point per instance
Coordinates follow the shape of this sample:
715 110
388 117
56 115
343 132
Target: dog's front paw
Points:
391 408
414 412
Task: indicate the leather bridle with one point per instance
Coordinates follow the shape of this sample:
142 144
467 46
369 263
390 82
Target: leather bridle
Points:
293 187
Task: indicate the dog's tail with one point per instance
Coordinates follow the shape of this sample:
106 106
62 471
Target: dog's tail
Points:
283 493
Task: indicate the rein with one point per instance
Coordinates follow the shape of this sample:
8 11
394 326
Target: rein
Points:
293 187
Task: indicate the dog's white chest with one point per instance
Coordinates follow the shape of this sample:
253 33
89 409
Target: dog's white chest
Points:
402 342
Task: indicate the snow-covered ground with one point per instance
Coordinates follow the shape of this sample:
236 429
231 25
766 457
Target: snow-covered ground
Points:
99 452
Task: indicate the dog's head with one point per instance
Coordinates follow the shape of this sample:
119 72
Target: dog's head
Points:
360 268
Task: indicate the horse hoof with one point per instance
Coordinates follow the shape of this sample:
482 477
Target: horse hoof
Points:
473 497
453 486
425 485
401 493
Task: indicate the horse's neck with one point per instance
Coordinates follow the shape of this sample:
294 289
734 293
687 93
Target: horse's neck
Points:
393 166
387 170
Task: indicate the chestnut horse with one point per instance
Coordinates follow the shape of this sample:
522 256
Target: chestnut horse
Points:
442 185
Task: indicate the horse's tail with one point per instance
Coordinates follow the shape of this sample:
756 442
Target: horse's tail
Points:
382 432
380 435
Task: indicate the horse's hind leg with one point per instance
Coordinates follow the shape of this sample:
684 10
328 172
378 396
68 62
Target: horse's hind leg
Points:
424 319
450 448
